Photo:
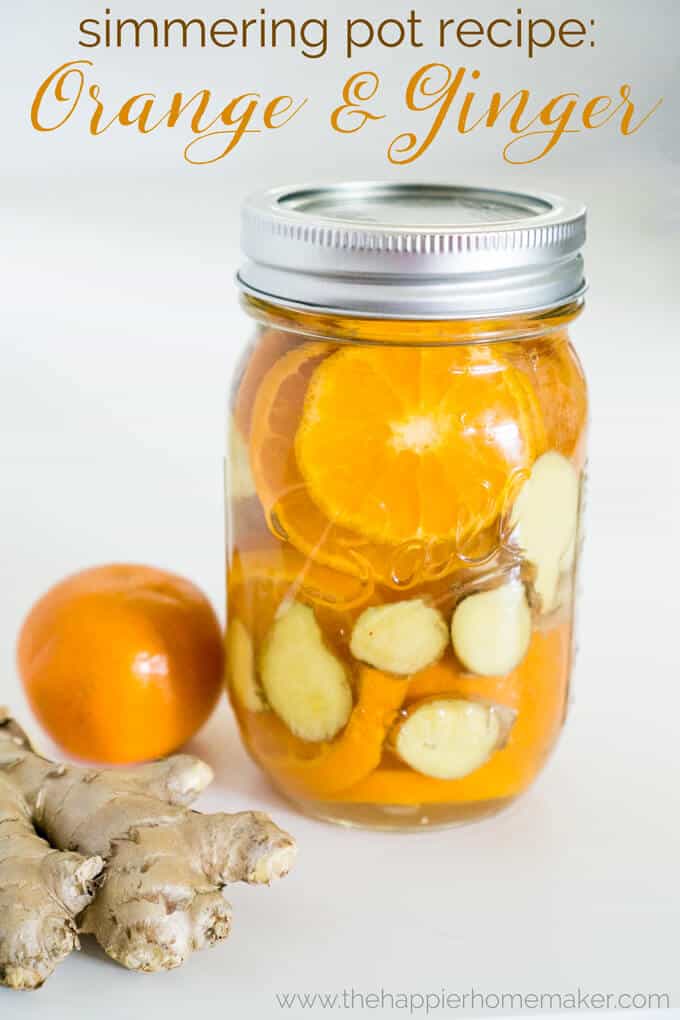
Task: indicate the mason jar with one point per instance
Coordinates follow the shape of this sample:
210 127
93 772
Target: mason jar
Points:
406 458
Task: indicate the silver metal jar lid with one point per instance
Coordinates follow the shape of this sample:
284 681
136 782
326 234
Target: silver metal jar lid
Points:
411 251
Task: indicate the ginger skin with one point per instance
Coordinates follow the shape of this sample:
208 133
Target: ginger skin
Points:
162 895
41 893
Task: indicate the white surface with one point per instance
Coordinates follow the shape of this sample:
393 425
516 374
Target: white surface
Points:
120 330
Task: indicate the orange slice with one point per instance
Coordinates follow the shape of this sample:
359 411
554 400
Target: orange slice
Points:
291 513
275 418
269 347
402 444
553 372
561 389
295 517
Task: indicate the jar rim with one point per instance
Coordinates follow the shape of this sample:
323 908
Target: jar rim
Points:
349 328
412 251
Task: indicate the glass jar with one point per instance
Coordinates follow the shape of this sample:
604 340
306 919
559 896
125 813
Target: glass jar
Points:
407 447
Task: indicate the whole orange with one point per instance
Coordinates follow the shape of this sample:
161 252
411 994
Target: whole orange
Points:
121 663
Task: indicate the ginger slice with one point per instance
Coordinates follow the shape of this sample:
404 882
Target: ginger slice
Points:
303 681
241 672
448 738
491 630
400 637
545 519
348 759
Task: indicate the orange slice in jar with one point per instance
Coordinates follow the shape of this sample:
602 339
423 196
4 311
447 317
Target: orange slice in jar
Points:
269 347
419 444
551 369
296 517
561 390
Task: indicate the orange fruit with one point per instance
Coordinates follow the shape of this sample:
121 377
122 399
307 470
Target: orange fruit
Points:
121 663
401 444
294 516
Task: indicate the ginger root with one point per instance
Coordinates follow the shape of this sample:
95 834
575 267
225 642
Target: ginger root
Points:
161 896
41 892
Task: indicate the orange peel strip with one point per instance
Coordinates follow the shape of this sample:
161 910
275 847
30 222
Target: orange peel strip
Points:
337 764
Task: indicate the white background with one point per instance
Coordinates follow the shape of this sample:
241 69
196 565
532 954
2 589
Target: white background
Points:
120 328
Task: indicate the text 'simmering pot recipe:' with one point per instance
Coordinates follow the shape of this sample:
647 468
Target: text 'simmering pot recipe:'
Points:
405 465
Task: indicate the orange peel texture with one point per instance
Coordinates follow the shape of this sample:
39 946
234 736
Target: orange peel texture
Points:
122 662
321 770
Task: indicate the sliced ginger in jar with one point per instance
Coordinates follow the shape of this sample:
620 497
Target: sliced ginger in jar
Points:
447 738
242 679
491 630
400 637
545 521
304 682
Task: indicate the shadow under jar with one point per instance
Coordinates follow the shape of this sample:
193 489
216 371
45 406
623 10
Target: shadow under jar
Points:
407 446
